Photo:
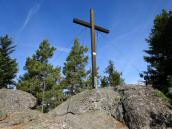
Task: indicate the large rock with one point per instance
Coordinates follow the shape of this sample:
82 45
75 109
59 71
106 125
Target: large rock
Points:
19 118
15 108
142 109
88 120
138 107
15 100
88 101
129 107
91 109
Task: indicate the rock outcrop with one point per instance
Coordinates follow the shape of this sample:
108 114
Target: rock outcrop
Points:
142 109
105 100
15 108
91 109
129 107
14 100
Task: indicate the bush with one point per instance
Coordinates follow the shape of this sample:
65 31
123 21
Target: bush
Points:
162 96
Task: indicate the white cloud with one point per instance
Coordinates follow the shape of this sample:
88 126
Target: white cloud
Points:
62 49
30 14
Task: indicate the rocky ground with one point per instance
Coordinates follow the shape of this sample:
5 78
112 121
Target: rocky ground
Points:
127 107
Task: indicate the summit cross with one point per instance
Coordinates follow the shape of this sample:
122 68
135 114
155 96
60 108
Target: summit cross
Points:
93 27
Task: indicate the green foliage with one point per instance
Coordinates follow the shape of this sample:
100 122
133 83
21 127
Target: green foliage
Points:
162 96
169 92
74 67
104 81
3 115
159 53
89 80
113 78
8 66
42 79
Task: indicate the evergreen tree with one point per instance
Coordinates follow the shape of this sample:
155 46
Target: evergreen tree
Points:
8 66
169 79
104 81
114 77
74 67
41 78
89 80
159 53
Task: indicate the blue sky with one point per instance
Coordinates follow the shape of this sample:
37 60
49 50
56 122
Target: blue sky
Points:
28 22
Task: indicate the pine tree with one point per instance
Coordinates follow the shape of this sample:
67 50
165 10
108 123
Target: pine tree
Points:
159 53
8 65
104 81
169 80
89 80
74 67
114 77
41 78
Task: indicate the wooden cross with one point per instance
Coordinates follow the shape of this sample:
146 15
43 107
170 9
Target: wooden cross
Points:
93 27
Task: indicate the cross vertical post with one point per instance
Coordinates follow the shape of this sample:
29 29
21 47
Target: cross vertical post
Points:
93 49
93 28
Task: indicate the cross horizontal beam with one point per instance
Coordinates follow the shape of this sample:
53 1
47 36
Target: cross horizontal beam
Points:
87 24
